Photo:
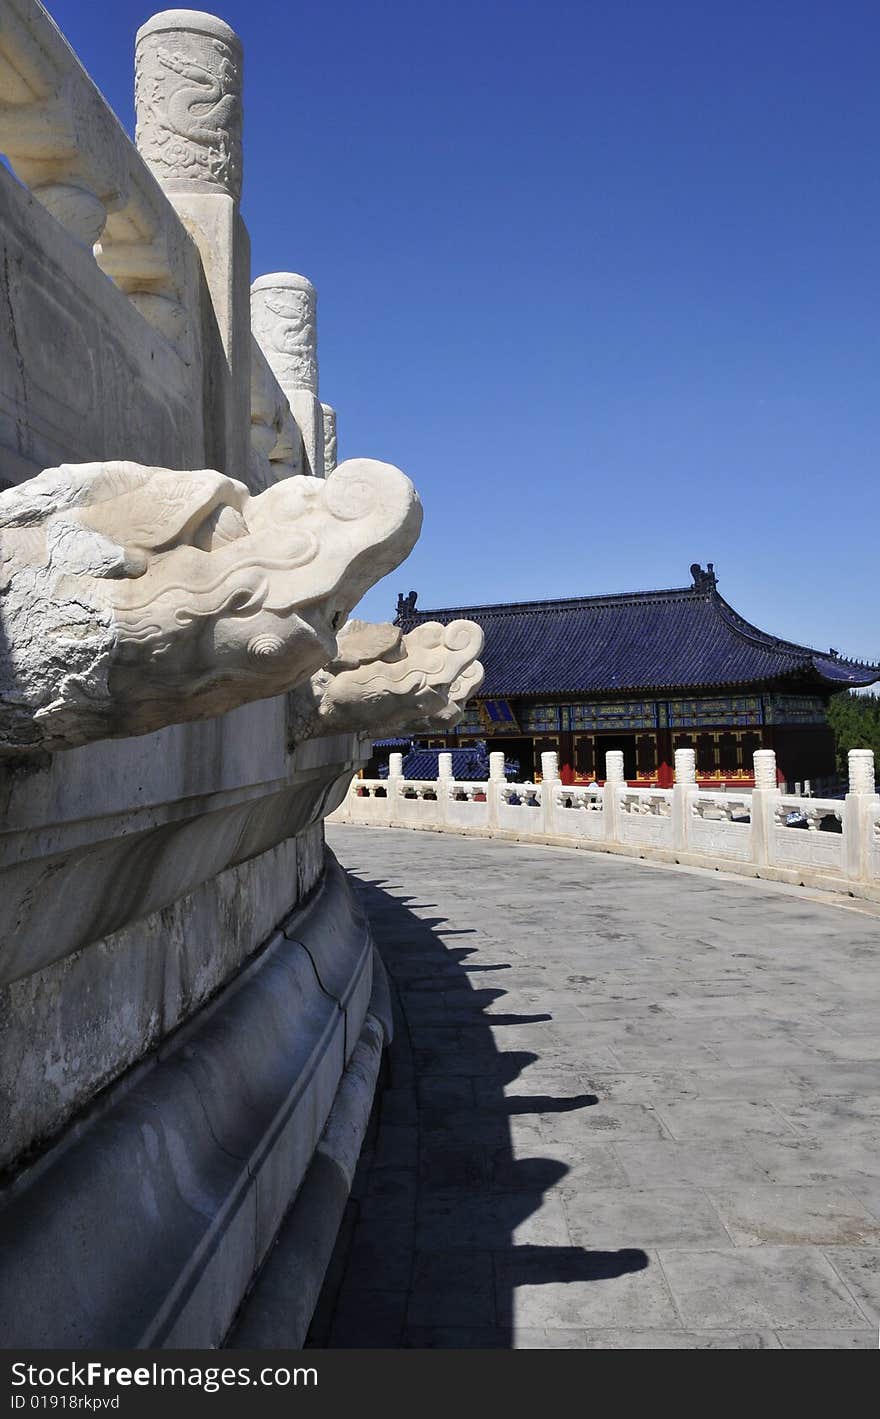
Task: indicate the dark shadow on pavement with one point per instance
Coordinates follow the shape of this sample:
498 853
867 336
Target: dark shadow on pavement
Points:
445 1220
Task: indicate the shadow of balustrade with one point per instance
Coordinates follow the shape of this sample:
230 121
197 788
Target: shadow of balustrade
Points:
456 1205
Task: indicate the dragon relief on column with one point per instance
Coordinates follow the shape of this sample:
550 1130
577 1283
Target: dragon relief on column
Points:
190 113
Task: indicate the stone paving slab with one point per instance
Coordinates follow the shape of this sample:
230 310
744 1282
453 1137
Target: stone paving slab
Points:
629 1107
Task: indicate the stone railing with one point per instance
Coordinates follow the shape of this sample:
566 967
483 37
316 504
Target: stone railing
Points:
85 207
829 843
164 347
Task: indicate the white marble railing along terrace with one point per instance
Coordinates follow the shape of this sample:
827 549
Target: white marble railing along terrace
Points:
817 841
159 356
65 144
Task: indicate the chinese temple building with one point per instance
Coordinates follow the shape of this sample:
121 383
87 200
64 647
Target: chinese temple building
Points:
647 673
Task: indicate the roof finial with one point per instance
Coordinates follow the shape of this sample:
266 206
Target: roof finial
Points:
406 606
704 580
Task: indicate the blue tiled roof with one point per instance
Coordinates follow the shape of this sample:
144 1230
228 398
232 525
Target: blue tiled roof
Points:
687 637
468 765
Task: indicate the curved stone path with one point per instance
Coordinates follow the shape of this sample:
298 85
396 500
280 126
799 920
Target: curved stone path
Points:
629 1106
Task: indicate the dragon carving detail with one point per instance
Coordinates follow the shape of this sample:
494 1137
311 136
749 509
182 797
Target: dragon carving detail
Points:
189 113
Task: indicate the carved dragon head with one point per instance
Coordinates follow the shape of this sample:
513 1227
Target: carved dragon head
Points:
382 680
134 597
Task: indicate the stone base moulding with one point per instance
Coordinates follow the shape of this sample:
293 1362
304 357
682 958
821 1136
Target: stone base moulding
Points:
146 1224
277 1313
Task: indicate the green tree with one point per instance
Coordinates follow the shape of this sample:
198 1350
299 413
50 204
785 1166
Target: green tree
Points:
855 720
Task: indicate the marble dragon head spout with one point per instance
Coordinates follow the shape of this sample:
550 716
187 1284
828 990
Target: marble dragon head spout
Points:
383 681
135 597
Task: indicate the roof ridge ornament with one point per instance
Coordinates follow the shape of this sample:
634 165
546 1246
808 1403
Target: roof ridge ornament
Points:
704 580
406 605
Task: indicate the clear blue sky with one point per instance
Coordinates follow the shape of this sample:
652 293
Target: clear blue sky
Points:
601 276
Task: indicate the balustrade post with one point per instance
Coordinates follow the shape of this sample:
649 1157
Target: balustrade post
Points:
394 782
549 784
682 792
858 805
188 87
764 798
285 322
445 780
497 779
614 781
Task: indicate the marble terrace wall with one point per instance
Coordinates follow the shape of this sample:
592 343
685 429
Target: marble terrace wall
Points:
192 1010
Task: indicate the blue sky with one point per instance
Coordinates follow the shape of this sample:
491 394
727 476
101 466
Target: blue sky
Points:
602 277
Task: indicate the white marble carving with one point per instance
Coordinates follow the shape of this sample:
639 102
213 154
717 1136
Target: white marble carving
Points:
135 597
685 766
276 442
383 681
284 320
765 770
460 691
861 771
329 438
188 77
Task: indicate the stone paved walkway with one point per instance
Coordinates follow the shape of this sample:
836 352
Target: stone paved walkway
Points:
630 1106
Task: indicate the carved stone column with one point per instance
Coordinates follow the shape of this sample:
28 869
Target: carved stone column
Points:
859 807
330 458
188 87
860 763
614 780
765 770
188 94
284 318
549 766
685 783
685 766
614 767
764 797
